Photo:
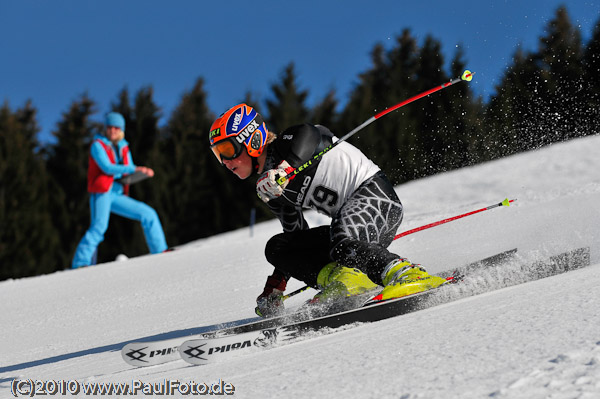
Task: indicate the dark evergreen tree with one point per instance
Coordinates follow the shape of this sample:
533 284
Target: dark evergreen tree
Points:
415 140
29 244
561 57
324 113
67 164
460 120
367 98
433 140
510 117
403 136
203 198
141 120
145 144
464 118
541 98
288 106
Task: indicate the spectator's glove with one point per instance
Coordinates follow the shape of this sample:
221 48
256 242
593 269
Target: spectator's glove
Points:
270 302
267 186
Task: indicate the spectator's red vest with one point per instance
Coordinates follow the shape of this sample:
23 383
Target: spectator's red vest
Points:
100 182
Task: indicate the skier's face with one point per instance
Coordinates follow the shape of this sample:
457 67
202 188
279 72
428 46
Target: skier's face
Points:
241 166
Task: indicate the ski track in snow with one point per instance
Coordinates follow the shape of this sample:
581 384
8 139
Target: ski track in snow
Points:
505 334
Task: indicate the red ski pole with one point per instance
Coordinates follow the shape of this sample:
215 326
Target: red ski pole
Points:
506 202
467 76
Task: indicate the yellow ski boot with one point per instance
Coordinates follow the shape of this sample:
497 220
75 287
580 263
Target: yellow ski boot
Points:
402 278
338 282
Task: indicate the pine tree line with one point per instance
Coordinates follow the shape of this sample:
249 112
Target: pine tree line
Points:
547 95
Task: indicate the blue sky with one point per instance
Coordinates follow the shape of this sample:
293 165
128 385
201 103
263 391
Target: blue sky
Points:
54 51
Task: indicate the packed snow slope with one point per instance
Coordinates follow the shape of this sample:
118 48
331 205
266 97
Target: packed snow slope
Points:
515 339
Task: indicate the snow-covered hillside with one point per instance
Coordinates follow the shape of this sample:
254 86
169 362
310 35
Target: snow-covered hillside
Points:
538 339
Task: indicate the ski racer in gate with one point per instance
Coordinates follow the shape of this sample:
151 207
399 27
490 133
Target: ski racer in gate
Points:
348 257
110 159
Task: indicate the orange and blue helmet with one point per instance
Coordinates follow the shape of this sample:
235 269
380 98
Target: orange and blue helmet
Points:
240 127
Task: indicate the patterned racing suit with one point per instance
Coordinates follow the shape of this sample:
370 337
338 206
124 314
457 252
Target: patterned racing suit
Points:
344 185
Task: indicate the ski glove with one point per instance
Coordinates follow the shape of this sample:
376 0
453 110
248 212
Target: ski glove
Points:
270 302
267 186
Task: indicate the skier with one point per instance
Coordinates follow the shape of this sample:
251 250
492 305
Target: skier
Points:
348 257
109 160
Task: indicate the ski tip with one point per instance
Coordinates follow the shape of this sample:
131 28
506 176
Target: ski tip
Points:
467 75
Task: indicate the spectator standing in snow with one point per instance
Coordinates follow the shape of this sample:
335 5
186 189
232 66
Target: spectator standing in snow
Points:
109 160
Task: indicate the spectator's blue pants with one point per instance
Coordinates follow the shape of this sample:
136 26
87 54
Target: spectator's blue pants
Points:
101 206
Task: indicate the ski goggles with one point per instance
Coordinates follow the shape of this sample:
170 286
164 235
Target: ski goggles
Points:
227 149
